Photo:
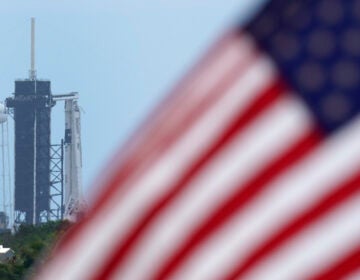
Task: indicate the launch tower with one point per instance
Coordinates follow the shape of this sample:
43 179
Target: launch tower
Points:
39 172
31 105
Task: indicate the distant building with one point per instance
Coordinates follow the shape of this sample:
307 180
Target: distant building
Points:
6 254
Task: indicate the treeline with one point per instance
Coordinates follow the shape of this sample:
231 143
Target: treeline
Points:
29 243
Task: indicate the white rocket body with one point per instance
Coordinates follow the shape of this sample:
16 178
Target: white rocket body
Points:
74 202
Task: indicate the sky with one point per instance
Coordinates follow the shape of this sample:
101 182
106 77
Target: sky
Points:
121 56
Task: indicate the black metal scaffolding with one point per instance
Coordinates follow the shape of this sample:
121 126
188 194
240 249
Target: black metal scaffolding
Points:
57 182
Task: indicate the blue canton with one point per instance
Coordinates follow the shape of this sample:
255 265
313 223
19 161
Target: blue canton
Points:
316 45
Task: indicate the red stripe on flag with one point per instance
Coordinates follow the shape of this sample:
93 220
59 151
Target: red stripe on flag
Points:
343 268
241 121
323 207
235 203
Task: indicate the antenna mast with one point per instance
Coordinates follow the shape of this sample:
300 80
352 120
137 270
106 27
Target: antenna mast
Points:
32 72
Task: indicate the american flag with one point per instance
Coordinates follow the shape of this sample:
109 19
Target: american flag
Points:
250 169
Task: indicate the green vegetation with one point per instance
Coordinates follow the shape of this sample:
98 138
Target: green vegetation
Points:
29 242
